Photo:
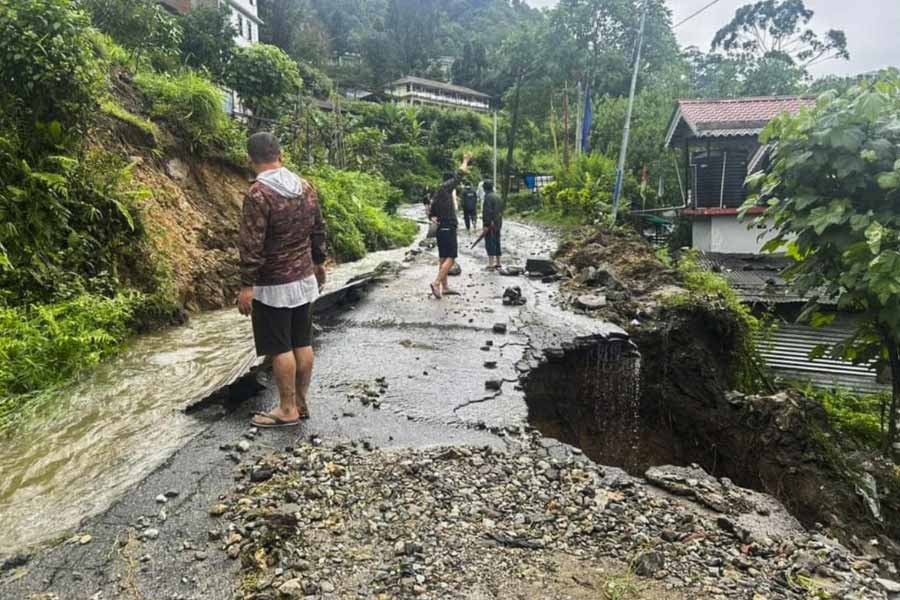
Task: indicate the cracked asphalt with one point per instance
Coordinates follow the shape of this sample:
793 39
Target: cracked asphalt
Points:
435 357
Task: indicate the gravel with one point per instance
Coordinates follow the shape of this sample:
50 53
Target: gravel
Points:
344 522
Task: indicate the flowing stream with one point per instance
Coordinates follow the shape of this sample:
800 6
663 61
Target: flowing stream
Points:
113 427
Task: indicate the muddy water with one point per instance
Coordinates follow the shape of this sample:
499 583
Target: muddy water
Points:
112 428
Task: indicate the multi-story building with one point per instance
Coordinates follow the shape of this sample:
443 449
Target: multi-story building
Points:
415 90
244 15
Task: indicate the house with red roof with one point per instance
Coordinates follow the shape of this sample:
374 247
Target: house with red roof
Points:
720 147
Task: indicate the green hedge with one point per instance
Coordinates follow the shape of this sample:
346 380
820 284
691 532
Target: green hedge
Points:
354 205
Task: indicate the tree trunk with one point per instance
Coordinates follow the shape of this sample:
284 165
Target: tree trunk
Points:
512 139
894 357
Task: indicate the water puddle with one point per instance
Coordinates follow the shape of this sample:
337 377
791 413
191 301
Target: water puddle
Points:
117 425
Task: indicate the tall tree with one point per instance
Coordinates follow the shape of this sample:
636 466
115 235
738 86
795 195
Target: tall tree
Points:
779 28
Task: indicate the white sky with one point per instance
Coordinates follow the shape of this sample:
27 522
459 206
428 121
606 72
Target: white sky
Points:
872 27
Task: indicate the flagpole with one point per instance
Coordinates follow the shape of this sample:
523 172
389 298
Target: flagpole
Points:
578 115
620 170
495 146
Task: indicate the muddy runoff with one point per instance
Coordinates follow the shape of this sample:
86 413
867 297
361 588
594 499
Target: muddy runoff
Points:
109 430
662 396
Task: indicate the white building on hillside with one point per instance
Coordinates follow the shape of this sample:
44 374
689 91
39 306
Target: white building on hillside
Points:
415 90
244 15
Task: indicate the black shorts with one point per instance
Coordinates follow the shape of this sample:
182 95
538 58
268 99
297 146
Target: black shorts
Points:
492 243
446 242
280 330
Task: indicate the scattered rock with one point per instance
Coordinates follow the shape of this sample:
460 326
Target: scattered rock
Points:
161 499
455 270
218 510
85 539
243 446
495 385
649 564
150 533
177 169
292 588
500 328
541 266
591 301
261 474
512 296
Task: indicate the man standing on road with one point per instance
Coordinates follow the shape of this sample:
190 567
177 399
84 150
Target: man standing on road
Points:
492 220
470 207
443 212
282 256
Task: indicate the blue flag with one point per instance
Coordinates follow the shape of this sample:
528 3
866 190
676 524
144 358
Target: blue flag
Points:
588 119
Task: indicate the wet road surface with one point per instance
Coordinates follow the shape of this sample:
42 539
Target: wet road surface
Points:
432 355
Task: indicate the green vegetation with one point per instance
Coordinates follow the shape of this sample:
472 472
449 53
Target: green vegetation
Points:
191 106
833 193
859 418
266 79
114 109
707 289
353 204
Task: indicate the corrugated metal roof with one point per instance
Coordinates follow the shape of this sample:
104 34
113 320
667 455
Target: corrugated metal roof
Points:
786 353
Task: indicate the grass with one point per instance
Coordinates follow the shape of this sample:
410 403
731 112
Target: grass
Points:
705 288
116 110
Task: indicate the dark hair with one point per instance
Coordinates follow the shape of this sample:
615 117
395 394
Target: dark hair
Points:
488 186
263 147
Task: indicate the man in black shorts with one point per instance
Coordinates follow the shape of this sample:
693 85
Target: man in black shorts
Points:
443 212
282 256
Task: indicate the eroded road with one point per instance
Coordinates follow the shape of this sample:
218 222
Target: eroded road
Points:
435 358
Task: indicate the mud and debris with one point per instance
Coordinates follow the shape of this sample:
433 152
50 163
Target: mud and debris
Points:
338 521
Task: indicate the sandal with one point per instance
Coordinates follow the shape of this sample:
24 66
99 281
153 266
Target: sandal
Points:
436 291
276 423
451 293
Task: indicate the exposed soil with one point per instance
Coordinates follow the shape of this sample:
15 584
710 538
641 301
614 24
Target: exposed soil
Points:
193 212
685 412
619 265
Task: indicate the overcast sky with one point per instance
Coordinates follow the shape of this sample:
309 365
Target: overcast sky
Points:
872 27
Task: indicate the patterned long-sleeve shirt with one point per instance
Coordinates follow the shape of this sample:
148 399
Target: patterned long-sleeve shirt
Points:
282 238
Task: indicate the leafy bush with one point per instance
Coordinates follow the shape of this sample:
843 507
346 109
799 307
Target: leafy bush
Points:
145 29
208 42
47 63
266 79
69 225
43 346
353 204
192 106
584 190
854 415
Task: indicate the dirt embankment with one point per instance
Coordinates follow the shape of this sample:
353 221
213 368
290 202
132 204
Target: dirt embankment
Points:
193 209
686 412
613 275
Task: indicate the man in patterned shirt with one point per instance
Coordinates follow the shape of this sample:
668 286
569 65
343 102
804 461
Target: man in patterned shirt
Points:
282 256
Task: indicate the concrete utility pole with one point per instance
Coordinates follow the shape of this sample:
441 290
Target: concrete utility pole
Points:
626 133
495 147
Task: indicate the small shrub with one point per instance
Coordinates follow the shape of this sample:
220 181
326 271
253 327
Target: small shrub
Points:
114 109
860 417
